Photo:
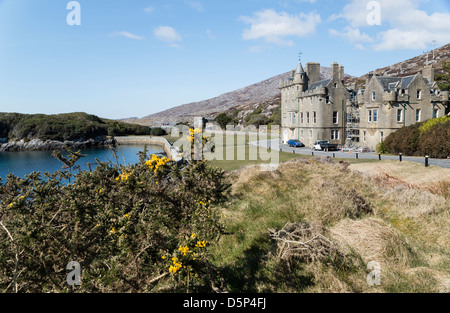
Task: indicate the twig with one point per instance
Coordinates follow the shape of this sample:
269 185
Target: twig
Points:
16 258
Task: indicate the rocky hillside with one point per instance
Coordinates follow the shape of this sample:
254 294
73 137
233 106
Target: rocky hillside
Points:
414 65
246 98
264 96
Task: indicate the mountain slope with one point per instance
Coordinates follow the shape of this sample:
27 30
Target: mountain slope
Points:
266 93
247 97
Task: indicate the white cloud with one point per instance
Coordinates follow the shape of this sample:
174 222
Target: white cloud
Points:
149 9
127 35
352 35
274 27
166 34
404 25
196 5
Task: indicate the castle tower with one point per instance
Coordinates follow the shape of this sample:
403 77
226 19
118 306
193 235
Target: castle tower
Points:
300 75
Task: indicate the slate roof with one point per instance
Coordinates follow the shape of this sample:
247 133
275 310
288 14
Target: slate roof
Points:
319 84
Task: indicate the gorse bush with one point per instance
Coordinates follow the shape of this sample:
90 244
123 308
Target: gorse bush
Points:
145 227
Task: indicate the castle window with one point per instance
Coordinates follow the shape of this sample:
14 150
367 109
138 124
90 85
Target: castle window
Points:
419 94
307 117
335 135
364 136
335 85
369 116
310 134
435 113
418 115
294 118
327 99
314 117
381 137
301 118
335 117
374 95
399 115
375 116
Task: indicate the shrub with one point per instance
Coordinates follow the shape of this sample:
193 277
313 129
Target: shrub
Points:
435 142
132 228
158 132
405 140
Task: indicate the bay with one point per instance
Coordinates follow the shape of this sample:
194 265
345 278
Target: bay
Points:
22 163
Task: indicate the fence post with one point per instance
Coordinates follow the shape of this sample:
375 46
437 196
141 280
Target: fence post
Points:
427 161
401 157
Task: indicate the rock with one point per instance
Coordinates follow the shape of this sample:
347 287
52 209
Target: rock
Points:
38 144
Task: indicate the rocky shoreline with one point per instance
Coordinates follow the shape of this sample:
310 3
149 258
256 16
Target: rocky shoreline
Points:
38 144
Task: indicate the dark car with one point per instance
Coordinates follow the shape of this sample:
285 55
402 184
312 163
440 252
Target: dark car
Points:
295 143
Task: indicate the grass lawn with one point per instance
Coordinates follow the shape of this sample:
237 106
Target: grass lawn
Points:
235 163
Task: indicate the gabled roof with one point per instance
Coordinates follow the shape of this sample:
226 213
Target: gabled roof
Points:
320 84
390 83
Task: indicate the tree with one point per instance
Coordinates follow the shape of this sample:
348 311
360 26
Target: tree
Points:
223 120
158 132
443 80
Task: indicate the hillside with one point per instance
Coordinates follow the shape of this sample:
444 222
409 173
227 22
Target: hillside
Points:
62 127
245 98
414 65
264 95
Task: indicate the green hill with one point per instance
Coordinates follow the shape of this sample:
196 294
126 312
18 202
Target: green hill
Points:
61 127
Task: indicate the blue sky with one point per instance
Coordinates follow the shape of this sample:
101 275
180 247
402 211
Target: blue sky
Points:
135 58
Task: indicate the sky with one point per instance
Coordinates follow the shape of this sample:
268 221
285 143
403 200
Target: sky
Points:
119 59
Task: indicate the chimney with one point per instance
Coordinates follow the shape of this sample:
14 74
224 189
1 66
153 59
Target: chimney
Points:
313 72
341 73
369 77
335 71
428 72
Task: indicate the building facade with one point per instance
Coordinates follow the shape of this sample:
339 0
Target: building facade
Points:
390 103
316 109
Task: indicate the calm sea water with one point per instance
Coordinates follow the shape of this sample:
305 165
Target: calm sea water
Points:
22 163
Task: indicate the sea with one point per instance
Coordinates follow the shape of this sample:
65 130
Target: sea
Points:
22 163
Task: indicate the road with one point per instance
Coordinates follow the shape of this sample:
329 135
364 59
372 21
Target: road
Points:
351 155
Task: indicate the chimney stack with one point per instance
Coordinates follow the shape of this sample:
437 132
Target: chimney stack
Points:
428 72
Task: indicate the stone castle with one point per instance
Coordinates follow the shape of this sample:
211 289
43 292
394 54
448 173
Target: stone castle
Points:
316 109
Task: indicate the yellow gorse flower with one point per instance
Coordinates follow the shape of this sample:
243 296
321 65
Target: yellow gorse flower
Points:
184 250
155 163
123 176
201 244
176 266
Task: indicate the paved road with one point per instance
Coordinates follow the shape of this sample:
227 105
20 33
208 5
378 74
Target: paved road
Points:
352 155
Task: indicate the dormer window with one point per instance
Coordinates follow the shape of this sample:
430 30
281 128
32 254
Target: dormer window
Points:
419 94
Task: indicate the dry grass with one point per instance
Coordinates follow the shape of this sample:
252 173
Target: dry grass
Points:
380 215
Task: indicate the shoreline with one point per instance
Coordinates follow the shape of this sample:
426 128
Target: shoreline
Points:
46 145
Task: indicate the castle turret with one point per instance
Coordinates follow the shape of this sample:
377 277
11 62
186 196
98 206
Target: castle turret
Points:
300 75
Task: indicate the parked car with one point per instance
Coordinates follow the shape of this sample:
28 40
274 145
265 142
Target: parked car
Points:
295 143
324 145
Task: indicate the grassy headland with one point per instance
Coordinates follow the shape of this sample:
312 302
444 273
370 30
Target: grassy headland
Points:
62 127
